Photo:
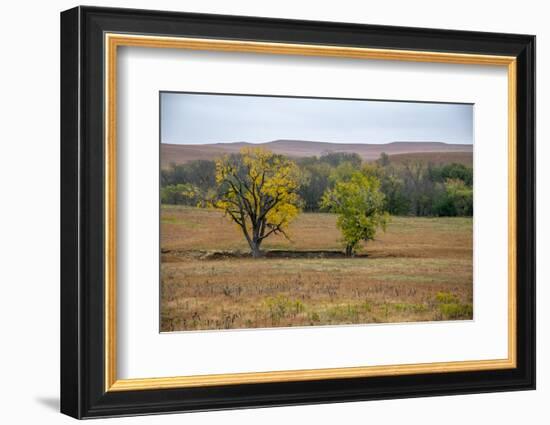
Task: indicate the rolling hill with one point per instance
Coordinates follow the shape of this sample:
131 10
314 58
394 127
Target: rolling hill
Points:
436 158
439 151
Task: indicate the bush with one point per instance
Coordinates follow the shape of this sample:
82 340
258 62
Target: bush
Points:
281 306
180 194
451 308
456 311
457 200
446 298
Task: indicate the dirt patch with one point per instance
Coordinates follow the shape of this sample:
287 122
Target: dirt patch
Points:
172 256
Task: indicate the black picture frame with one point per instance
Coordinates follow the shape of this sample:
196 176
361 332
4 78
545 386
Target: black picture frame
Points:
83 392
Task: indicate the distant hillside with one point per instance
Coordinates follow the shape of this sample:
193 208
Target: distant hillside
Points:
437 158
179 154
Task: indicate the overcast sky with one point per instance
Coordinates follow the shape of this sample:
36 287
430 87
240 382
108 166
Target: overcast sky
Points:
204 118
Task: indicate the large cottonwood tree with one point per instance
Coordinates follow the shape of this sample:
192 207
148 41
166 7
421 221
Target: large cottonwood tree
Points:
258 189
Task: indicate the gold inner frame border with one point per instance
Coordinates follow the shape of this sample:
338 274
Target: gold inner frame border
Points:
112 41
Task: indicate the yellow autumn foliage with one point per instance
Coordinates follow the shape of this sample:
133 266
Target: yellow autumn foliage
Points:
257 189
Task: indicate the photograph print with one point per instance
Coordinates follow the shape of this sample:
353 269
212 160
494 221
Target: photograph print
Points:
299 211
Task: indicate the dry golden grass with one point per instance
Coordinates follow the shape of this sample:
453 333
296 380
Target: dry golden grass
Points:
419 270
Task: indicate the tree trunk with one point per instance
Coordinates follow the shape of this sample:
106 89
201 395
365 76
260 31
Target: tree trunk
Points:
255 248
349 250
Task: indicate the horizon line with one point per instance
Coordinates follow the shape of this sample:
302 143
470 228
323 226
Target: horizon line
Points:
314 141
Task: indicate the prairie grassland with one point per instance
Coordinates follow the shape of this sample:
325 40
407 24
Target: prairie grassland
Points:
420 269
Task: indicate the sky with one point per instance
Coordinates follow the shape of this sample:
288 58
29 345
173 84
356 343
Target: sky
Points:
212 118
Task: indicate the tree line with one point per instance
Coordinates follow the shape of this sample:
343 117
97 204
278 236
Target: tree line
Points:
409 188
263 192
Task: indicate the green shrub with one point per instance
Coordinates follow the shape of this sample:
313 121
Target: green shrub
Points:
314 317
456 311
446 298
281 306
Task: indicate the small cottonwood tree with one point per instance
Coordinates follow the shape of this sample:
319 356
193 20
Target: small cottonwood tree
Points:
258 191
359 204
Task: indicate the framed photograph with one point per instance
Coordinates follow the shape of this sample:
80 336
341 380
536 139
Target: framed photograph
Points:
261 212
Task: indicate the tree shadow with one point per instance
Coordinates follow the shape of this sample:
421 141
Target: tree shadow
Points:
174 256
216 255
304 254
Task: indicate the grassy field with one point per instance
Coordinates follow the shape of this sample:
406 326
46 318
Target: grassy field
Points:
419 270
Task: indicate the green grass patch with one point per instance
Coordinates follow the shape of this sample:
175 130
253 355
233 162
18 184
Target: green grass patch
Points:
180 222
446 298
451 308
456 311
280 307
410 307
347 312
